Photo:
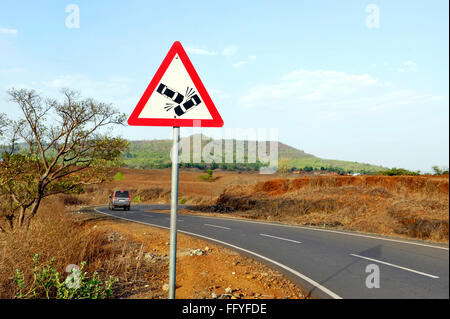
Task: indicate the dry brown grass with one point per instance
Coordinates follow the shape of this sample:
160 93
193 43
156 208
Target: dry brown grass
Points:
153 185
409 206
70 239
416 207
109 249
118 248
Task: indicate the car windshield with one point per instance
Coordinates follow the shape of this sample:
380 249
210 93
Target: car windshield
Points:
122 194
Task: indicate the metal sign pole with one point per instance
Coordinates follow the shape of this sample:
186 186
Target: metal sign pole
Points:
174 213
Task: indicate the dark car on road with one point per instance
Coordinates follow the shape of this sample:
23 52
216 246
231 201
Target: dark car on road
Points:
120 199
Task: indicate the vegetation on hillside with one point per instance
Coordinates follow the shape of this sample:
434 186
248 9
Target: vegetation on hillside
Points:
399 172
439 170
156 154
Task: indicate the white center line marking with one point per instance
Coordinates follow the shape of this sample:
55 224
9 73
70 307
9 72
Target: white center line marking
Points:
217 226
396 266
294 241
323 230
293 271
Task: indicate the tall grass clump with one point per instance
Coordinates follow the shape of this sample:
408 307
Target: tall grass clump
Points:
208 177
119 176
60 239
47 283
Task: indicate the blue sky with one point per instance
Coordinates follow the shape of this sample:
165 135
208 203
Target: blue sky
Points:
313 69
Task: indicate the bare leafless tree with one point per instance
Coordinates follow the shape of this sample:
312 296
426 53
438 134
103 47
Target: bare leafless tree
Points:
56 147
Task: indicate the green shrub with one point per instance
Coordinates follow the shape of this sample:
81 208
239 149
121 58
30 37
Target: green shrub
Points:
398 171
47 283
137 199
183 201
205 178
208 177
119 176
439 171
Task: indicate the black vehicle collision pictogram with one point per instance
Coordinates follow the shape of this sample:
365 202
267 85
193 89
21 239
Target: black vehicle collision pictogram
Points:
191 99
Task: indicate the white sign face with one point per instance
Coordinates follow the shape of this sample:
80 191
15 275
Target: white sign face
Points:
176 96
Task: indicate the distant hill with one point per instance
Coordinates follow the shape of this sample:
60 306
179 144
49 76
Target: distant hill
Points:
156 154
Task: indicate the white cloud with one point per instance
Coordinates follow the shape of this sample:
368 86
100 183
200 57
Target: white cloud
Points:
12 70
227 51
409 66
219 94
12 32
251 59
200 51
230 50
239 64
115 89
332 92
118 90
82 81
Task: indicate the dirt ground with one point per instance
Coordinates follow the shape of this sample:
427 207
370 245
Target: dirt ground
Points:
190 188
203 276
216 272
411 207
403 206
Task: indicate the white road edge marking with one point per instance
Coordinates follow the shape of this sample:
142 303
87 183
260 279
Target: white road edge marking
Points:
294 241
323 230
396 266
295 272
217 226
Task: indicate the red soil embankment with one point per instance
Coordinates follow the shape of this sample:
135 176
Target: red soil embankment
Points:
408 206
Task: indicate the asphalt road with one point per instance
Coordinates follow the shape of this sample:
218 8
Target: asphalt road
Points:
327 263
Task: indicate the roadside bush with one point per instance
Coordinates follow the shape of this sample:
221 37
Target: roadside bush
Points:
439 171
153 193
208 177
48 283
72 200
398 171
119 176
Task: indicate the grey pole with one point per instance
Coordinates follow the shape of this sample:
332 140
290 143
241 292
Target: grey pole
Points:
173 214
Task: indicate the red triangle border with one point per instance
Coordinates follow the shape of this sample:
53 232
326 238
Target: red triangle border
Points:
176 48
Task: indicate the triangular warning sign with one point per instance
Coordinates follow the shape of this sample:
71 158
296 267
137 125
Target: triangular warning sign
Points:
176 96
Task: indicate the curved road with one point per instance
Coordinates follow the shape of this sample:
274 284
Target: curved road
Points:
327 263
